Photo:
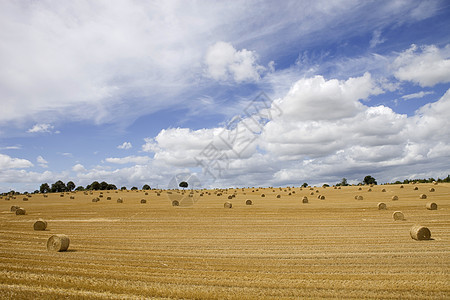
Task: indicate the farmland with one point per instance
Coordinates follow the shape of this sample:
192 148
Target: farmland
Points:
277 248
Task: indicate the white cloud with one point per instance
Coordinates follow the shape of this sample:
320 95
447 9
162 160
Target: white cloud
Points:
11 147
224 62
42 162
78 168
376 39
40 128
125 146
420 94
7 162
426 66
128 159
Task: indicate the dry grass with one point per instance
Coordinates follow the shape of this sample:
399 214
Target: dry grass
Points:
277 249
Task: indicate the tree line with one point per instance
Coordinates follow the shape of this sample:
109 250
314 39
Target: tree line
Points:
60 187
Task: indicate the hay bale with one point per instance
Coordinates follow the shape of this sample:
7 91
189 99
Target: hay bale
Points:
398 216
382 206
318 196
322 197
45 196
100 196
14 208
230 197
108 198
227 205
175 203
369 190
416 188
143 201
431 206
360 188
6 198
383 190
394 198
95 200
312 193
248 202
61 195
278 196
40 225
420 233
146 194
20 211
401 186
25 199
360 198
58 243
262 195
289 194
423 196
432 190
72 197
305 199
120 200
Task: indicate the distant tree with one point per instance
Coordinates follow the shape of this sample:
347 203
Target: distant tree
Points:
79 188
36 192
94 186
343 182
45 188
369 180
123 188
304 185
111 187
183 184
70 186
58 187
134 188
146 187
103 185
325 185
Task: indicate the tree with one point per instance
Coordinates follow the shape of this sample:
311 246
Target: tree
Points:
58 187
134 188
79 188
70 186
146 187
103 185
183 184
123 188
369 180
343 182
45 188
111 187
304 185
94 186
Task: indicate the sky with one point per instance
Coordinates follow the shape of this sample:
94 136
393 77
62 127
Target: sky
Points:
229 93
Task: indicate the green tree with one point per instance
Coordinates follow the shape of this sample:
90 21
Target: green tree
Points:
70 186
369 180
103 185
123 188
79 188
183 184
134 188
58 187
94 186
45 188
111 187
146 187
304 185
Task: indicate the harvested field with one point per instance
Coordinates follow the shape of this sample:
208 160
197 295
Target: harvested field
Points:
275 249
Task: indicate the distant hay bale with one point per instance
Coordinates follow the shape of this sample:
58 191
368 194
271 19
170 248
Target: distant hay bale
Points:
227 205
360 198
431 206
356 197
40 225
360 188
383 190
398 216
293 192
95 200
416 188
25 199
435 183
14 208
175 203
262 195
230 197
318 196
120 200
278 196
61 195
146 194
248 202
432 190
401 186
143 201
20 211
45 196
100 196
369 190
6 198
423 196
289 194
305 199
420 233
58 243
394 198
108 198
158 194
312 193
322 197
72 197
382 206
371 185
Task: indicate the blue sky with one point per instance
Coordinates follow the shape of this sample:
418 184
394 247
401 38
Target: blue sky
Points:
136 92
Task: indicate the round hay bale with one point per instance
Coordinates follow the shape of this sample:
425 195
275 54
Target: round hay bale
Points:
360 198
72 197
312 193
305 199
248 202
25 199
262 195
360 188
120 200
227 205
45 196
100 196
230 197
40 225
432 190
420 233
394 198
398 216
95 200
289 194
401 186
58 243
423 196
158 194
382 206
435 183
416 188
431 206
175 203
383 190
318 196
14 208
146 194
369 190
143 201
278 196
356 197
20 211
322 197
108 198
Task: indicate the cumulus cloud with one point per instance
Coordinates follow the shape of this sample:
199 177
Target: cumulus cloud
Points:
128 159
224 62
40 128
78 168
7 162
426 65
42 162
125 146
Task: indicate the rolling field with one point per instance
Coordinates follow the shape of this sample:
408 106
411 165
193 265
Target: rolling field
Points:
277 248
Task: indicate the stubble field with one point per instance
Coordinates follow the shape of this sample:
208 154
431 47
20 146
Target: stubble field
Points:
276 248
